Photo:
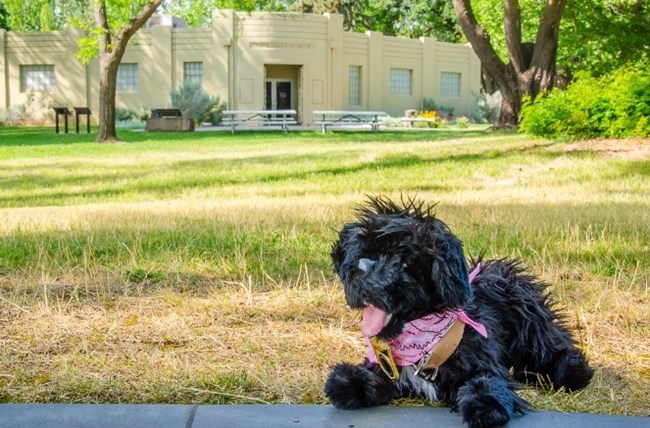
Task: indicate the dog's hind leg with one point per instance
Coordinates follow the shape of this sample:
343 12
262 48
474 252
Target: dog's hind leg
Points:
352 387
566 368
539 346
488 401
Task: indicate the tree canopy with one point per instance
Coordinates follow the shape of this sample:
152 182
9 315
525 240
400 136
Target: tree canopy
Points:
596 35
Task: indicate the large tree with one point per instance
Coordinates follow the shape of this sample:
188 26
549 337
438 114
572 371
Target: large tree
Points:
115 22
113 36
531 66
597 36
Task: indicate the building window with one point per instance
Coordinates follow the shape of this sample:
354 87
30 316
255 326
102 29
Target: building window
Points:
355 85
127 77
401 81
450 85
193 72
37 78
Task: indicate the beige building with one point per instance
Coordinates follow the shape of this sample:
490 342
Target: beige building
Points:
252 61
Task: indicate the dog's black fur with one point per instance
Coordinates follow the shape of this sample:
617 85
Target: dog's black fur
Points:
420 269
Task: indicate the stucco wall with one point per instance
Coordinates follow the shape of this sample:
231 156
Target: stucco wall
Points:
239 53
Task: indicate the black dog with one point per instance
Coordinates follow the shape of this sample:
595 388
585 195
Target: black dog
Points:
407 271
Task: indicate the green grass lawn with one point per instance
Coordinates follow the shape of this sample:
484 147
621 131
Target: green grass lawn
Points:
195 267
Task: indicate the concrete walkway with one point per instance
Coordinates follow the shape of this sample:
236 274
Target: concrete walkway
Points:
274 416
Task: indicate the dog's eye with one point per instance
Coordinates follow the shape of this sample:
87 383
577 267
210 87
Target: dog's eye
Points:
365 264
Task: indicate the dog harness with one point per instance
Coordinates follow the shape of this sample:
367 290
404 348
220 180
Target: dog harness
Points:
425 343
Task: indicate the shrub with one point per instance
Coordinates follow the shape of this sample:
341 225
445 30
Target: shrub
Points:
215 115
36 111
143 114
124 114
462 122
447 112
613 106
432 115
12 116
391 122
196 104
486 107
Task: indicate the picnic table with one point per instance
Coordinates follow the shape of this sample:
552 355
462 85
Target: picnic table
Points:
326 118
282 118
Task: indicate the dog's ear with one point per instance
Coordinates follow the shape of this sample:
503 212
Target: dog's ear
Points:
342 247
449 271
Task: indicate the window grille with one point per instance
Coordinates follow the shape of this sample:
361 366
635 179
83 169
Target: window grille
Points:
355 85
450 84
37 78
193 72
401 81
127 77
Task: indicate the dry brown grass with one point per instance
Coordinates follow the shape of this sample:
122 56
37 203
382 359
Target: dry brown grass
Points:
231 344
234 344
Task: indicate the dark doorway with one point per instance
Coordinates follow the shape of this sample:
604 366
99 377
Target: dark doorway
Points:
278 94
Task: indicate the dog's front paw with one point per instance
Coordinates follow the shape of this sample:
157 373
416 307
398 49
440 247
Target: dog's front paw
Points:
352 387
487 401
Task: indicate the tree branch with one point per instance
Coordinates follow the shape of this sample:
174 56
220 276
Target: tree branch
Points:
141 18
479 39
102 23
125 33
512 28
547 34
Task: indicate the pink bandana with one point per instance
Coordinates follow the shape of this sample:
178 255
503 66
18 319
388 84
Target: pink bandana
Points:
420 335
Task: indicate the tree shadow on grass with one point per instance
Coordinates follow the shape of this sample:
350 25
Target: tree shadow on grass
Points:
45 136
197 174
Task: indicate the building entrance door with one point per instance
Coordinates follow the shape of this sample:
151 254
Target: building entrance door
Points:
278 94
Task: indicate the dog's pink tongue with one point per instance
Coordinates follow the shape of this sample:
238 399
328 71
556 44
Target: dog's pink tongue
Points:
374 319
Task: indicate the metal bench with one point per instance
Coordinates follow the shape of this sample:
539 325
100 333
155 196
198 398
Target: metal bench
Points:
327 118
281 118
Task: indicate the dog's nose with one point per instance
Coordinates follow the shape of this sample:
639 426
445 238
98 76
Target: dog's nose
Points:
365 264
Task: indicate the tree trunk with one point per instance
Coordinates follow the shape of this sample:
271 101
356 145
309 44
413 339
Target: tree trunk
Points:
111 51
510 102
525 74
107 84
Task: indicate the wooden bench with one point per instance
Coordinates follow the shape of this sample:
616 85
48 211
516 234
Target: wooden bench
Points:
412 120
326 118
281 118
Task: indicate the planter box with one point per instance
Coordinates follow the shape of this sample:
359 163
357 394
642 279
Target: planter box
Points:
165 124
